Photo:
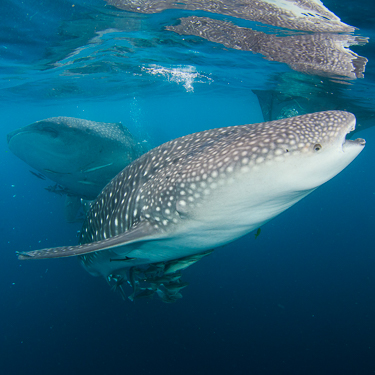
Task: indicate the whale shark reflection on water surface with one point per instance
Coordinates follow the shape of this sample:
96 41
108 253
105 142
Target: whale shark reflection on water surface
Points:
182 199
307 15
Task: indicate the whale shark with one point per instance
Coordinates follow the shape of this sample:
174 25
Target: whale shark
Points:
179 201
324 54
80 155
307 15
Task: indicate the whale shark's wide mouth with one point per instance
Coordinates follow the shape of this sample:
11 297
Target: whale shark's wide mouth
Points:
352 142
14 135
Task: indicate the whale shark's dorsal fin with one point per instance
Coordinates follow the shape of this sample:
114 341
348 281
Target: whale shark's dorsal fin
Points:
142 231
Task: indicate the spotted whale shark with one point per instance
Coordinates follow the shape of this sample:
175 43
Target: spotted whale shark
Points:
182 199
308 15
324 54
80 155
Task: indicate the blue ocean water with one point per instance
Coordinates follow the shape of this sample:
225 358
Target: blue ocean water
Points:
299 299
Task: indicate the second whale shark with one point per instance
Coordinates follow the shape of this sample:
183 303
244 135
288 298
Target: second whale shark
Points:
80 155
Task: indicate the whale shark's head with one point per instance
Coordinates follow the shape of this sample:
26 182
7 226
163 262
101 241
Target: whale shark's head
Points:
229 181
304 152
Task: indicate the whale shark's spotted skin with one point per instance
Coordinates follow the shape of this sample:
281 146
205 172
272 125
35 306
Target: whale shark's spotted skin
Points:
173 179
206 189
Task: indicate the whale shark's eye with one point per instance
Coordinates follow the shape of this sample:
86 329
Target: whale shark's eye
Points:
317 147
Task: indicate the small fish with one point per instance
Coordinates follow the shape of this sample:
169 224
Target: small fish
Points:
257 233
175 287
96 168
119 281
168 298
165 278
57 189
86 182
144 293
133 272
154 269
180 264
55 172
38 175
121 260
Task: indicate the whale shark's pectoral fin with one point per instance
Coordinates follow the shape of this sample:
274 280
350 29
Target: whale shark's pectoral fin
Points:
143 231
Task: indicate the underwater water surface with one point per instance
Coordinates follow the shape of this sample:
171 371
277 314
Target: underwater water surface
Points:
297 299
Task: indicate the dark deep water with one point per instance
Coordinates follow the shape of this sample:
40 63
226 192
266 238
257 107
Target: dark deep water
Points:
297 300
